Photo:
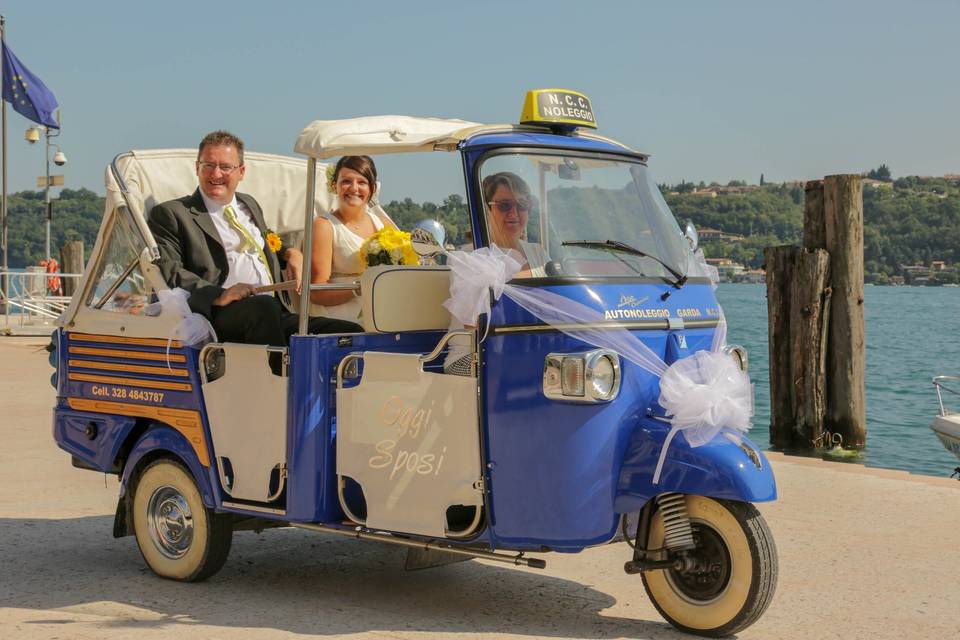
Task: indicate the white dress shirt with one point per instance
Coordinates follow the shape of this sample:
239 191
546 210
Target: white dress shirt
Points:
244 266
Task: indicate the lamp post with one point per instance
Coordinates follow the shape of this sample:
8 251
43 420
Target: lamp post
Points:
33 136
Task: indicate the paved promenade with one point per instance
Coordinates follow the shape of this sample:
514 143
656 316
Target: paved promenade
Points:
863 554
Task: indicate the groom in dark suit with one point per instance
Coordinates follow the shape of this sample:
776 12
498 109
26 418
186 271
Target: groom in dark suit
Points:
213 243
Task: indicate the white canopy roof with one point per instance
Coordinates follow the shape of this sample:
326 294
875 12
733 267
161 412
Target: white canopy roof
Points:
379 134
371 135
277 182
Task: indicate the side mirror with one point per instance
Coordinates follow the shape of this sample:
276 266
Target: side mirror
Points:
690 233
434 228
424 244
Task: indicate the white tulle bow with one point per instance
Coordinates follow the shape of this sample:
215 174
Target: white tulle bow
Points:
703 394
193 328
474 274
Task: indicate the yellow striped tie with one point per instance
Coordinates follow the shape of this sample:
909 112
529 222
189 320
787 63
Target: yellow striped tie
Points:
248 240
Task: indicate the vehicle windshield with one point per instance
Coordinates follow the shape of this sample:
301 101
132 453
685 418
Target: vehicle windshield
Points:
536 202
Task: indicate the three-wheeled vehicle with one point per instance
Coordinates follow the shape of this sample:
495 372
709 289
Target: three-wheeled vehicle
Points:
542 443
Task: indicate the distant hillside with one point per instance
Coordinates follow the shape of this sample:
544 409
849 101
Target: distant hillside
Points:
768 215
912 220
76 216
909 221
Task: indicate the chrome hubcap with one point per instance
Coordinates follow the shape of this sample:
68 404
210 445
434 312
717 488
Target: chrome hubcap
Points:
170 521
709 574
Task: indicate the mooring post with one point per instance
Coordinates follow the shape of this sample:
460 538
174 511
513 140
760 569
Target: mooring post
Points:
71 261
797 310
846 358
814 219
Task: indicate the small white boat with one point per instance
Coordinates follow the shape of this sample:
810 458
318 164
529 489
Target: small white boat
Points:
947 424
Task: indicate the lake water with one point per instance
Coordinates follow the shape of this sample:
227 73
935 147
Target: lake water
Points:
912 335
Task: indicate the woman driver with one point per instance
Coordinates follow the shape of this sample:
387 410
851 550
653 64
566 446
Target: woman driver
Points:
508 202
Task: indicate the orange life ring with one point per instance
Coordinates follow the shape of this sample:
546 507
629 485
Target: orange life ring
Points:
53 280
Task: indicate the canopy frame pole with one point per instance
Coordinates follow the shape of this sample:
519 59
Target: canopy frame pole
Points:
306 276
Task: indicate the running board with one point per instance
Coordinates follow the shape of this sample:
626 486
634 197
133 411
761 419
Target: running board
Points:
518 559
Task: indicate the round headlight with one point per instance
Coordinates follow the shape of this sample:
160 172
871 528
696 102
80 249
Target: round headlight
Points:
602 377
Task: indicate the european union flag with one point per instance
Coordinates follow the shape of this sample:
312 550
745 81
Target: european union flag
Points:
28 95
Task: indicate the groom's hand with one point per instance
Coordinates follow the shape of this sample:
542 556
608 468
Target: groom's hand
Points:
238 291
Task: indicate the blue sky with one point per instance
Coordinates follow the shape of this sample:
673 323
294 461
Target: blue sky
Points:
714 91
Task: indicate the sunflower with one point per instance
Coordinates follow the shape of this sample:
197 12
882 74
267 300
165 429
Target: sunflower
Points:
274 242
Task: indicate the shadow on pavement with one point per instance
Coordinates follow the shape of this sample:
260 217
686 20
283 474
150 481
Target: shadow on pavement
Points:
294 581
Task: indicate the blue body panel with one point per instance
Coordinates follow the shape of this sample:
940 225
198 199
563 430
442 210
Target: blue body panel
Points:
718 469
560 474
70 432
126 435
526 139
94 391
311 445
163 438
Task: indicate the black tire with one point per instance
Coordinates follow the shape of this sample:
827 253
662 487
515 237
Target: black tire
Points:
736 545
179 537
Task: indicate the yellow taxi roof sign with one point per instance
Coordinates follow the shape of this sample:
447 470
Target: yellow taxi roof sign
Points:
558 107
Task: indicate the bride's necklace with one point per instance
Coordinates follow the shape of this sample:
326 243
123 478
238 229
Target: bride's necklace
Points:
353 225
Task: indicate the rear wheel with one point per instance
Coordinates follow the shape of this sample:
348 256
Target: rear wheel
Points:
179 537
732 576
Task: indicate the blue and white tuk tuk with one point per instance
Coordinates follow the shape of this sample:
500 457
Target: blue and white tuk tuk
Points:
552 435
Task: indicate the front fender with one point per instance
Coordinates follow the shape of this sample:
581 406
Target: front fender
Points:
722 468
169 441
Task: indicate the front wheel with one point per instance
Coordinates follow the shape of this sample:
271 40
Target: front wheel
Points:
732 576
179 537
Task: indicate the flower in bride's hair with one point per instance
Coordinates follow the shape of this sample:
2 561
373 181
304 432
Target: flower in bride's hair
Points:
332 178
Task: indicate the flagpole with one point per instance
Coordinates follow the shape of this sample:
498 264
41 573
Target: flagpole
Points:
4 285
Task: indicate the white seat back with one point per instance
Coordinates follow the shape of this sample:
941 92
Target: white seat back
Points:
405 298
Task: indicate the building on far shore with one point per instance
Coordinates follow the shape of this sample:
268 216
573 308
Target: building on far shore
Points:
727 269
707 233
937 273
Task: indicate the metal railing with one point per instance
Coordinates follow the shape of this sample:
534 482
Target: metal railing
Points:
940 383
28 300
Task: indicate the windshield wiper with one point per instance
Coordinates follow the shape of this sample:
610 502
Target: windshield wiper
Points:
616 245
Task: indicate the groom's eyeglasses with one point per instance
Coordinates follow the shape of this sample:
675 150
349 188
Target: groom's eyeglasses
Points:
506 206
225 169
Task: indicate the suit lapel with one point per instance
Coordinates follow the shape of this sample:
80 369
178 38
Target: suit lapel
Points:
202 217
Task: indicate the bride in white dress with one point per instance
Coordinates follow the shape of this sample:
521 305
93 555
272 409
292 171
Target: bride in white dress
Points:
338 236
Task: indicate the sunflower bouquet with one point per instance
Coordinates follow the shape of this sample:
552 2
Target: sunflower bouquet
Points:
388 246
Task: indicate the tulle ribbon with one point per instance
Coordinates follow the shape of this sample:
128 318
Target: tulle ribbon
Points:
701 394
193 328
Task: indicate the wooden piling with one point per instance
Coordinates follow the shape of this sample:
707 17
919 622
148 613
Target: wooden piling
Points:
814 223
71 261
798 307
846 359
815 310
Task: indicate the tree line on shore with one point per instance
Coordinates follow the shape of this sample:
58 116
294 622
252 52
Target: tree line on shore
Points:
911 220
908 221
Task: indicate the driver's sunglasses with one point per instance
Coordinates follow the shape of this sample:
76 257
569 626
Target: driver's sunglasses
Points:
506 206
225 169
